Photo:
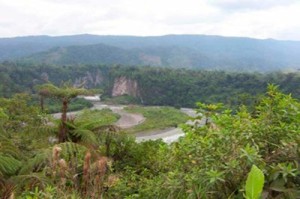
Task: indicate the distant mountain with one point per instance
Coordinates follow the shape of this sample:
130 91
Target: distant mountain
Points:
91 54
176 57
189 51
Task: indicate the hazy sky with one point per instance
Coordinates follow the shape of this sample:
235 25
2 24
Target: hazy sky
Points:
279 19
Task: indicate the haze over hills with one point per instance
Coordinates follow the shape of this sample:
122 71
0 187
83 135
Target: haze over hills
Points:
188 51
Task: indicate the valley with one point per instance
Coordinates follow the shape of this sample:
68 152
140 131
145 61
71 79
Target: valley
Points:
112 99
127 121
140 140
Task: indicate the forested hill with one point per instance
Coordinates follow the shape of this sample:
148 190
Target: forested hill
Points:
175 57
188 51
155 86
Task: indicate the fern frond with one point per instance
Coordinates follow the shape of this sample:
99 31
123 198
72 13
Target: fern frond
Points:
71 125
45 130
8 148
81 133
71 150
38 162
85 135
43 157
31 180
8 165
93 124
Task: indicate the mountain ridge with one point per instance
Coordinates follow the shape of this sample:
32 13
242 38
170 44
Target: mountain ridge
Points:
188 51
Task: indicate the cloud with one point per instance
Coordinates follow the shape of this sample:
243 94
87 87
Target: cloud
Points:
249 4
250 18
261 24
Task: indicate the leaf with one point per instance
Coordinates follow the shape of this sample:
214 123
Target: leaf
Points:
8 165
254 183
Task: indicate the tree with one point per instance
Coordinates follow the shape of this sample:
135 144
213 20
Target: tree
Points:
64 94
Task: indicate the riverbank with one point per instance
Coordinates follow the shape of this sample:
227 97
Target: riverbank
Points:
141 121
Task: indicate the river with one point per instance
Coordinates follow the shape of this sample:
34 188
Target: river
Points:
128 120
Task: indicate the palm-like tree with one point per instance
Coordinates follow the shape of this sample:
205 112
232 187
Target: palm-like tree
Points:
64 94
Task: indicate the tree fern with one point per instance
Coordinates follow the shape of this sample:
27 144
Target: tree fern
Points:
69 151
86 136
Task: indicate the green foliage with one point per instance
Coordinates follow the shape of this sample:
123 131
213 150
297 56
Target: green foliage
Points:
42 158
66 91
24 128
161 86
17 124
210 161
157 118
87 124
192 51
157 86
3 115
18 111
8 147
9 153
8 165
48 193
54 106
93 119
31 181
124 99
255 183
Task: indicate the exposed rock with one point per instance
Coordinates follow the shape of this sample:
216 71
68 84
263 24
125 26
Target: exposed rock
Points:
89 80
98 78
125 86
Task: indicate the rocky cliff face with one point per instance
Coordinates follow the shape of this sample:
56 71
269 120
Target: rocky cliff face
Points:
125 86
90 80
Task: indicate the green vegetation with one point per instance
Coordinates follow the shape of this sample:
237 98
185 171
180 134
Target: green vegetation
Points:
97 117
157 86
124 99
180 51
64 94
212 161
182 88
54 106
157 118
249 146
255 183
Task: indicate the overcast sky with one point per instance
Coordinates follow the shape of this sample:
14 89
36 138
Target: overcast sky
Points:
278 19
